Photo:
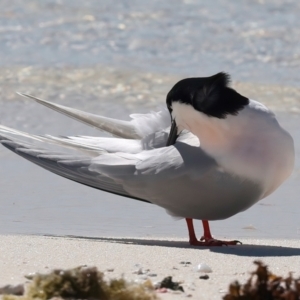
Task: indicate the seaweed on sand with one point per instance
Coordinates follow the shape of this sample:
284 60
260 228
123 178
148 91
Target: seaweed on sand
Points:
263 285
83 283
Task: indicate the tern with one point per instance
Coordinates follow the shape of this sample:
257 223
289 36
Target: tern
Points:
212 153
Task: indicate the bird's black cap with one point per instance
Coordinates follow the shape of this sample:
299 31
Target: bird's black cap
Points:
210 95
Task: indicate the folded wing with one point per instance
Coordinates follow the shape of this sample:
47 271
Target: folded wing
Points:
76 167
138 176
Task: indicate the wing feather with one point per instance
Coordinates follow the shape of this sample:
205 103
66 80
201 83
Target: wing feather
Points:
140 125
73 167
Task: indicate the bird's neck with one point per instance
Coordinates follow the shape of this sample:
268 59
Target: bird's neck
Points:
212 132
251 145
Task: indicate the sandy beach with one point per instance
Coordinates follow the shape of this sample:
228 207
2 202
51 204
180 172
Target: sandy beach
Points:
118 58
159 257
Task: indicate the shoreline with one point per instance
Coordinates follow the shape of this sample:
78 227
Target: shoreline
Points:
162 257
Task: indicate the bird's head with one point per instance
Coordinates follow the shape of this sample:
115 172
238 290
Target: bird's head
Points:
207 95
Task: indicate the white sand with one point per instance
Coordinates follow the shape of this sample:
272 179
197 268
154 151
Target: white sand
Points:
20 255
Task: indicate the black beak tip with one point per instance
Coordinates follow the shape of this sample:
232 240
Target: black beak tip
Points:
173 134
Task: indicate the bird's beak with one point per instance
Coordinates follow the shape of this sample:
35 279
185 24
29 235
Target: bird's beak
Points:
173 134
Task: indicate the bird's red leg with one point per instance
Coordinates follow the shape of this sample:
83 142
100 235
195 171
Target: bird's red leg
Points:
206 239
192 235
193 239
206 235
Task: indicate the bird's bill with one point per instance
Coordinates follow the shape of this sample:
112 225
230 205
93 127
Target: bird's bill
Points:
173 134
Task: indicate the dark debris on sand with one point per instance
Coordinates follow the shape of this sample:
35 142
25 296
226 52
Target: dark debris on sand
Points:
168 283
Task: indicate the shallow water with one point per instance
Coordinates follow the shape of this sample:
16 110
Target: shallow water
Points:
254 40
118 58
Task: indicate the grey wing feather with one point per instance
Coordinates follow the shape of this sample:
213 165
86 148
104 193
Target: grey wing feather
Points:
87 146
149 173
116 127
140 125
97 145
73 167
125 174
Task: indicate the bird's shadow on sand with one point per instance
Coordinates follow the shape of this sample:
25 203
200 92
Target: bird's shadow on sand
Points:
239 250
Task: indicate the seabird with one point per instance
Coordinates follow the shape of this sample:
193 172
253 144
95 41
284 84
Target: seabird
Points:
211 154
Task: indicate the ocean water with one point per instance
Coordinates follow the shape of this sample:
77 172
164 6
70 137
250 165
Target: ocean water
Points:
116 58
256 40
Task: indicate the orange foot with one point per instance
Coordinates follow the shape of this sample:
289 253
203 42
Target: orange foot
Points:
213 242
207 240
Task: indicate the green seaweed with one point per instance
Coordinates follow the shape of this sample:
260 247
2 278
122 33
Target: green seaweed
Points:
263 285
83 283
89 283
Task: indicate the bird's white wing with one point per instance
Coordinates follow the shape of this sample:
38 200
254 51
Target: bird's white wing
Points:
111 145
87 146
140 126
117 173
121 173
97 145
151 172
76 167
180 178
